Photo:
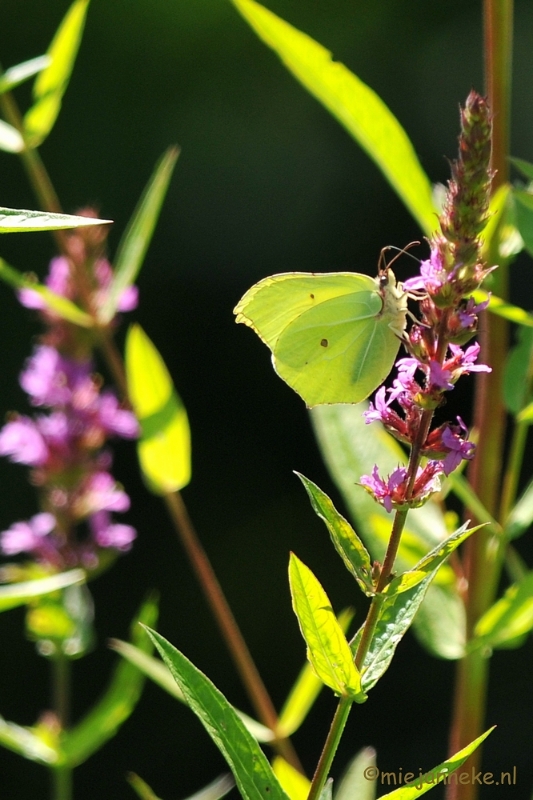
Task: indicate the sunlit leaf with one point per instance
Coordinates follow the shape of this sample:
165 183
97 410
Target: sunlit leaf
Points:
21 220
165 444
136 239
510 617
18 594
52 82
158 672
27 743
518 374
117 703
503 309
293 782
10 139
347 544
521 515
356 106
253 774
357 783
305 690
16 75
61 306
327 648
440 774
464 491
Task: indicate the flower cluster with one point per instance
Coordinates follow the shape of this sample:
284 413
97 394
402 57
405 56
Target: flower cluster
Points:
437 357
65 443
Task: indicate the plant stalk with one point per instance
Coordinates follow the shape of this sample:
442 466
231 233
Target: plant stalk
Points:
61 673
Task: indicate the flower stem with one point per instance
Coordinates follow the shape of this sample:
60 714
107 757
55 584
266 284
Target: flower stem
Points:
61 669
330 748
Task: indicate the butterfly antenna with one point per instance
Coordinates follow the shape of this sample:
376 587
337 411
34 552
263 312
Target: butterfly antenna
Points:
382 263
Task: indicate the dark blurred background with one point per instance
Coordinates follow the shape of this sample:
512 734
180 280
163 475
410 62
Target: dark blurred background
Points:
266 182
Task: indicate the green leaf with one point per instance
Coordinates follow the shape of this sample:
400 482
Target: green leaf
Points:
140 787
16 75
105 718
214 791
51 84
350 449
253 774
21 220
154 669
431 562
18 594
10 139
165 445
63 307
523 166
510 617
27 743
503 309
521 515
354 785
523 207
293 782
357 107
305 690
138 235
439 774
464 491
347 544
518 371
327 648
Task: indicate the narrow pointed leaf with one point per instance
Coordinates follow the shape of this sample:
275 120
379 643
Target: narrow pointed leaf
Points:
253 774
523 166
293 782
140 787
327 648
347 544
356 106
10 139
18 594
16 75
464 491
21 220
510 617
157 671
504 309
138 235
305 690
516 384
52 82
115 706
439 774
27 743
354 785
165 445
431 562
214 790
521 516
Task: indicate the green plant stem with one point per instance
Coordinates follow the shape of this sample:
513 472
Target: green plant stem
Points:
233 637
330 748
484 552
61 669
512 470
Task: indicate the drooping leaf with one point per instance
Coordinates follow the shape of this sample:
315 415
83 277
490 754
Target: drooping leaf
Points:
518 373
165 445
18 594
10 139
350 449
305 690
16 75
439 774
347 544
521 515
138 235
52 82
21 220
431 562
327 648
509 618
61 306
354 104
253 774
357 783
293 782
158 672
117 703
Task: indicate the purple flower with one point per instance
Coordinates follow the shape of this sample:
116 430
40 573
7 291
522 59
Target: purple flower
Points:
27 537
440 376
109 534
433 275
468 315
465 361
22 441
383 491
458 446
102 494
115 419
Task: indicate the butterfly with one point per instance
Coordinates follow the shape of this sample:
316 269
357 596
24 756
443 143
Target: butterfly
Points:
334 336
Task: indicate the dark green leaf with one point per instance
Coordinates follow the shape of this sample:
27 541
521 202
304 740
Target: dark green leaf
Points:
523 166
518 372
524 217
138 235
105 718
347 544
253 774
